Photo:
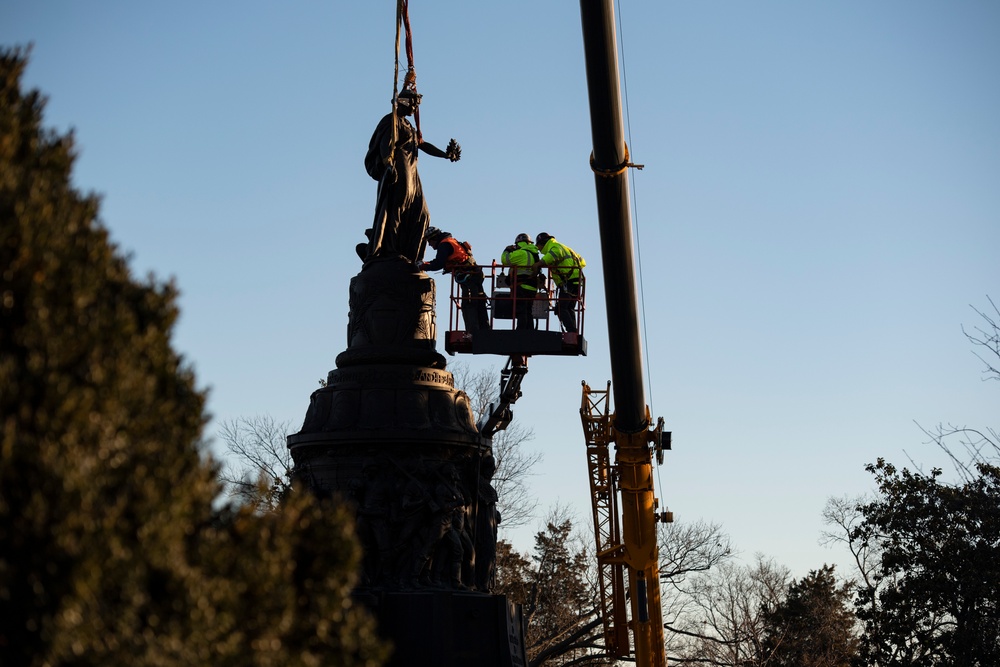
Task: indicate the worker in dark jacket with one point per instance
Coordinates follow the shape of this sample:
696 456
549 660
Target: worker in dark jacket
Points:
521 257
566 267
456 258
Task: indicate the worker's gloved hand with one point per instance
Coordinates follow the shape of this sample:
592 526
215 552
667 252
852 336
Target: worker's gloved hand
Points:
454 151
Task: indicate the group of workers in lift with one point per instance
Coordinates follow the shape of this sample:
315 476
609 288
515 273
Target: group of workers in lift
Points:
525 260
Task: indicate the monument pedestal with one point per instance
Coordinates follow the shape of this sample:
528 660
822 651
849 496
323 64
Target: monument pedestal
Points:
390 435
441 629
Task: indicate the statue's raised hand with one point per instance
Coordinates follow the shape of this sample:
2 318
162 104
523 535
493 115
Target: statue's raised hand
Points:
454 151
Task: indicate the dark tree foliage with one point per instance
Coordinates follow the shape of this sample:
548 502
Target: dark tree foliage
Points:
935 598
556 595
514 573
813 625
110 550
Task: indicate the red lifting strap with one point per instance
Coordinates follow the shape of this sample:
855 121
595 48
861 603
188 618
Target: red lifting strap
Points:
403 14
405 11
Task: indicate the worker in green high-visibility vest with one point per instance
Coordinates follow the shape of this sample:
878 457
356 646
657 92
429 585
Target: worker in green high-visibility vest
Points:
521 257
566 268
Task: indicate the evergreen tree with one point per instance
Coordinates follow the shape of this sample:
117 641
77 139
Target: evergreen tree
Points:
561 596
813 625
563 625
110 550
514 573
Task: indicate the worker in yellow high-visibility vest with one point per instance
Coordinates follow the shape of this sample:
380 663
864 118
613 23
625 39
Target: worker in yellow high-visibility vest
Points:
521 257
566 268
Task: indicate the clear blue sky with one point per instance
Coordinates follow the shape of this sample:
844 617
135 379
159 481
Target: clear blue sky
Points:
819 208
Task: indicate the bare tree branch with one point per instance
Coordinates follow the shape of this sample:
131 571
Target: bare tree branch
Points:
515 463
975 446
259 470
687 548
987 336
844 514
966 447
569 641
723 617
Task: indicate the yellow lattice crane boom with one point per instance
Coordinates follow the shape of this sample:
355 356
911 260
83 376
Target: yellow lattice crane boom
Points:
625 516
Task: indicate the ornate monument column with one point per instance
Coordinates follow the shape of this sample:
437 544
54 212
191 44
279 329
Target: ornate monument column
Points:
391 435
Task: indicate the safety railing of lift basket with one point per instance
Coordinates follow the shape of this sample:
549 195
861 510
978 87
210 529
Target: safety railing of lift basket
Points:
500 287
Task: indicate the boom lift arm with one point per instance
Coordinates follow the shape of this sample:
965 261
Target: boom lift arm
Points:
500 413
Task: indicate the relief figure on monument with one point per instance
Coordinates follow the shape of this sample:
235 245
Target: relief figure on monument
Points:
373 496
414 521
487 520
454 559
436 550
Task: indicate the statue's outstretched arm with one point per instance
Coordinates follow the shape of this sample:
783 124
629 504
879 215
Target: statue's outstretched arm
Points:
453 152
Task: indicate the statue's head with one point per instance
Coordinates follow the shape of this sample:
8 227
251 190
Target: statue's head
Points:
407 101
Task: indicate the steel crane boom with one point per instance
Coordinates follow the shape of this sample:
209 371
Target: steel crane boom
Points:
629 480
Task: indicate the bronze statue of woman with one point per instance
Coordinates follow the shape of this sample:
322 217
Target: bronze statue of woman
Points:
401 216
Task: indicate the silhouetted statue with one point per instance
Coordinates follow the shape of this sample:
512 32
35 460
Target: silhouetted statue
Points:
401 216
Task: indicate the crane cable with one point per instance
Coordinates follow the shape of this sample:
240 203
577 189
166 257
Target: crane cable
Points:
410 78
635 215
